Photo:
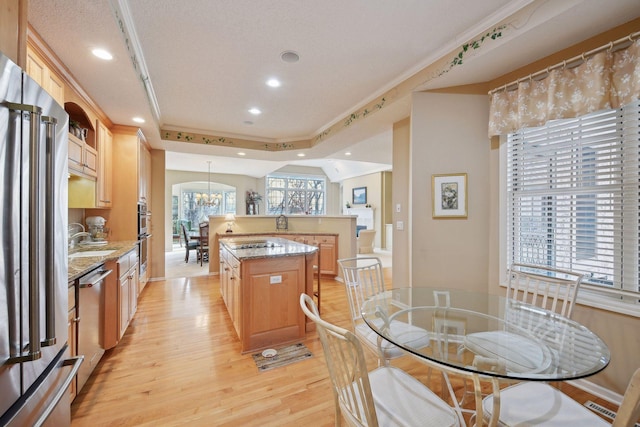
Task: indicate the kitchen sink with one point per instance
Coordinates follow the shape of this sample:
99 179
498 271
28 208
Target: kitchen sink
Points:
85 254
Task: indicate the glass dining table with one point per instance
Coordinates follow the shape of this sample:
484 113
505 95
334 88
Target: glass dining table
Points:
483 336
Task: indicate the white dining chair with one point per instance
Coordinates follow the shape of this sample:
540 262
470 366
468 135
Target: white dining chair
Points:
386 396
536 403
363 278
541 286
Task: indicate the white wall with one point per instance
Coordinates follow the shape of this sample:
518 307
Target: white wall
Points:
449 135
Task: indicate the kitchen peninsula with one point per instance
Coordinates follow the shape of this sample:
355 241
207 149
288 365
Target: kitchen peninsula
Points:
261 280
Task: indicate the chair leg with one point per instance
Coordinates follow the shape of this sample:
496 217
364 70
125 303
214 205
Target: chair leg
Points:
186 257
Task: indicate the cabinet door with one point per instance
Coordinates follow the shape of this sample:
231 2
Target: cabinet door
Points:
76 154
144 177
123 300
328 254
39 71
133 291
90 161
105 158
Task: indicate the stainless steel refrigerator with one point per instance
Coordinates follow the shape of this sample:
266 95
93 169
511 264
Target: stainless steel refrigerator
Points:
35 370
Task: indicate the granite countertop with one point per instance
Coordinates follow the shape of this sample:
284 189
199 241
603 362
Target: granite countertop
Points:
78 266
267 247
272 233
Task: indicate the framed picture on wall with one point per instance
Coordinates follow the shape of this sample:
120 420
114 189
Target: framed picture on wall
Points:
449 193
360 195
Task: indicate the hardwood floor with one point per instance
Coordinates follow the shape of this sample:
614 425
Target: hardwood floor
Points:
180 363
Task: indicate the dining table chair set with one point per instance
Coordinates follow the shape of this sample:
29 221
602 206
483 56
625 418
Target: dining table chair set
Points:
199 243
525 337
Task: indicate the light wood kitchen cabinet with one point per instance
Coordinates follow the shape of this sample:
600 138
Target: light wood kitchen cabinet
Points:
105 166
144 174
72 324
39 71
128 289
83 158
120 297
261 296
231 287
83 154
328 245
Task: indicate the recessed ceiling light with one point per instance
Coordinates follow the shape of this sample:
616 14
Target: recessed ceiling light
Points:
348 153
242 153
102 54
138 119
273 83
301 154
255 111
289 56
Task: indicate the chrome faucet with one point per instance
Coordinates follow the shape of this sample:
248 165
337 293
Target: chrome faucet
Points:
72 238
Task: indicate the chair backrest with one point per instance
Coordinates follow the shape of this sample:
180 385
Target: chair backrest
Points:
362 279
365 240
184 233
629 410
204 233
543 286
347 368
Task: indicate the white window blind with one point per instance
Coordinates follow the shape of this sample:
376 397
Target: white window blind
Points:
573 197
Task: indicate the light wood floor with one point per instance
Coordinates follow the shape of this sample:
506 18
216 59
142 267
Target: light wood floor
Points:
179 363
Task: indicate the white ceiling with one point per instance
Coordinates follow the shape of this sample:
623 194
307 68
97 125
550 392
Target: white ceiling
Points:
205 63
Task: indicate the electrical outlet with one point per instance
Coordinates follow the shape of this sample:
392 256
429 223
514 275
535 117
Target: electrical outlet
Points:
274 280
399 225
397 207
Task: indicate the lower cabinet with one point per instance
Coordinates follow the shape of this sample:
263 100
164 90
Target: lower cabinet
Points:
72 324
328 245
230 287
121 297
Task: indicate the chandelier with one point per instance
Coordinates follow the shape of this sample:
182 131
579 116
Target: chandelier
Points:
208 198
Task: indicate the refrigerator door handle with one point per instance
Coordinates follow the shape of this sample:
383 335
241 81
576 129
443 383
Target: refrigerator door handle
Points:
49 245
33 352
75 363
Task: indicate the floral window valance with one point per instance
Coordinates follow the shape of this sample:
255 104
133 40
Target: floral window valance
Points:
605 80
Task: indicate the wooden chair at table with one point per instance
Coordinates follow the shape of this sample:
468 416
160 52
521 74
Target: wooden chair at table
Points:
386 396
363 279
188 244
203 247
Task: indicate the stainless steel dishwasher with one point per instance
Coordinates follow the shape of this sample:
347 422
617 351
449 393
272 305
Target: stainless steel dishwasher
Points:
90 309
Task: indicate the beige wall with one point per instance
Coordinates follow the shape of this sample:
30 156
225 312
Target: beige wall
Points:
400 186
448 135
159 214
375 197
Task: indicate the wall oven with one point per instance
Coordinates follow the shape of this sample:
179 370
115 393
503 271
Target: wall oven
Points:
144 217
144 226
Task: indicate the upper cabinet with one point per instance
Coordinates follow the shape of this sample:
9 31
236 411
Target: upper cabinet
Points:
83 154
105 166
144 177
39 71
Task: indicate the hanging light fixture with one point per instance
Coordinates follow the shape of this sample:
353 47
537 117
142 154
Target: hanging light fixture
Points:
208 199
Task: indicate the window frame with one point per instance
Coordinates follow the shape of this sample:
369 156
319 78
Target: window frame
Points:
611 299
287 177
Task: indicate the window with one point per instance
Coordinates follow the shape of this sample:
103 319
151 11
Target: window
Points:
295 195
573 196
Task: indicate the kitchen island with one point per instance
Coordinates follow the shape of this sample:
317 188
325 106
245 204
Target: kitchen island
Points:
261 280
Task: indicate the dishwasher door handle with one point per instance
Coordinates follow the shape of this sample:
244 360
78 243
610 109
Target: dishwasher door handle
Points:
95 279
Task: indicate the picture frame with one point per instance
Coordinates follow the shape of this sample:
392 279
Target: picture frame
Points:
449 196
359 195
